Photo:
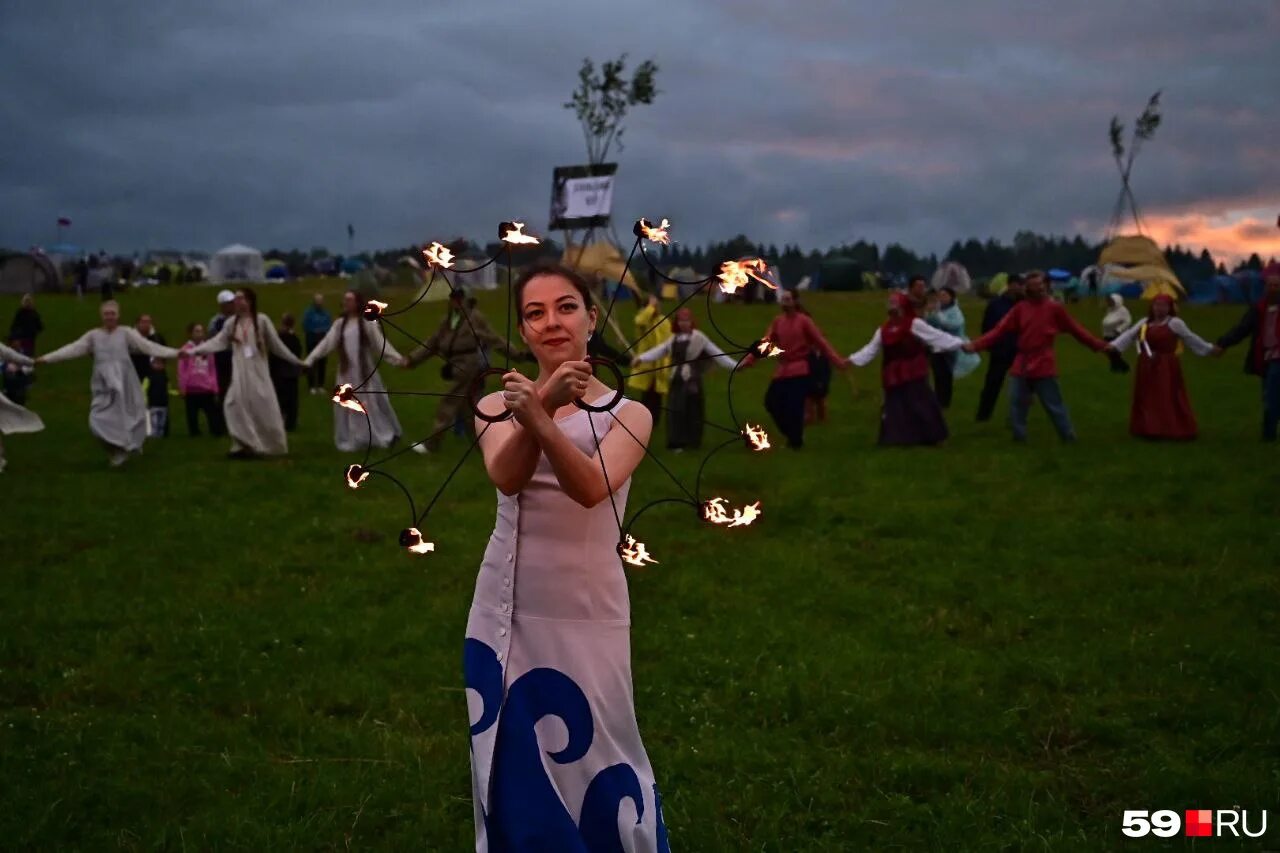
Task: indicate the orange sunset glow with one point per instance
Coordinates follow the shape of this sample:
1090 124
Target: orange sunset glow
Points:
1230 236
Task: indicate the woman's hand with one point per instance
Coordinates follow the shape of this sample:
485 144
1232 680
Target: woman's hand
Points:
520 397
567 383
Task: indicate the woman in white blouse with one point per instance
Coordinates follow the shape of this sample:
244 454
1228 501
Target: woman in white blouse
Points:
911 414
1161 408
691 353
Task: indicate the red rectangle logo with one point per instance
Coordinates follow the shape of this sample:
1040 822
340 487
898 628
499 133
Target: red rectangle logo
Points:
1199 822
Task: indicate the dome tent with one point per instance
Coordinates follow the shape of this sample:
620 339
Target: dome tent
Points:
28 273
236 263
952 275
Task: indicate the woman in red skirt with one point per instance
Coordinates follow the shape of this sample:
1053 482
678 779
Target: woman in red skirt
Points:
1161 408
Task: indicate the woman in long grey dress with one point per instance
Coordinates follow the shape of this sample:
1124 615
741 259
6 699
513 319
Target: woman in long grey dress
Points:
250 407
359 343
13 417
691 353
118 411
549 633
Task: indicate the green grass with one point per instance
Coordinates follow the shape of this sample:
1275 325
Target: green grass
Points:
976 647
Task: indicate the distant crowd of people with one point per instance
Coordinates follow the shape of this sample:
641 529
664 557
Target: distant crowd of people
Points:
240 373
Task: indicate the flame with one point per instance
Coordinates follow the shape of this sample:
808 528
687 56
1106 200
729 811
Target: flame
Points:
635 552
656 234
438 255
735 274
516 236
411 539
714 512
373 309
344 396
746 515
356 475
768 349
757 437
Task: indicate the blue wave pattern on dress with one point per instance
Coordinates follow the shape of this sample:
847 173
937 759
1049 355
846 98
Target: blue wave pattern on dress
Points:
526 812
482 673
599 822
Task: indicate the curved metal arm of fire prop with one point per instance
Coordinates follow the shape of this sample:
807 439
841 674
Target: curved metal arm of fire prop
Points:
440 260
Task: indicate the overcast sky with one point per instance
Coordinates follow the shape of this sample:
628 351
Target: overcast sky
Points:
175 124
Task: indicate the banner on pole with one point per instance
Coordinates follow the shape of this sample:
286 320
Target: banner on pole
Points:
581 196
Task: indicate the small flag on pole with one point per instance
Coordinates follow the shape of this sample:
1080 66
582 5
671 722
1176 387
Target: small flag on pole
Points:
64 222
351 231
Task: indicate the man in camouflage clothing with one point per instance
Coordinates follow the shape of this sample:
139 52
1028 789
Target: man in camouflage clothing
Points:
459 340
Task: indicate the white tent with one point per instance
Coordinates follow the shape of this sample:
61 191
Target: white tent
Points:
466 275
236 263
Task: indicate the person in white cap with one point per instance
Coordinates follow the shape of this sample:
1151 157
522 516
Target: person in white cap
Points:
222 361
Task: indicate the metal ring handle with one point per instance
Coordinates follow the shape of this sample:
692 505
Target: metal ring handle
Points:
473 395
617 375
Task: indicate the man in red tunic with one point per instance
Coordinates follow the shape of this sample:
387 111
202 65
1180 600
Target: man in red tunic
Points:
798 335
1261 323
1037 320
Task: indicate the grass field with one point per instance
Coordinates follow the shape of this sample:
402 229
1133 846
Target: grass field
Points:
983 646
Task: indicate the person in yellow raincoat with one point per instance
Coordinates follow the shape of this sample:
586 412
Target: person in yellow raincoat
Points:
653 379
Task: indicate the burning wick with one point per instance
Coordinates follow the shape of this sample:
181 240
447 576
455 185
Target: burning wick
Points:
513 233
373 309
646 229
438 256
757 438
767 349
356 475
411 538
344 396
714 512
634 552
734 275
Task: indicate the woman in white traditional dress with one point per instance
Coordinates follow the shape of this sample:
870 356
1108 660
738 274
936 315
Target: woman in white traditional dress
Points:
250 407
118 411
13 417
549 629
360 343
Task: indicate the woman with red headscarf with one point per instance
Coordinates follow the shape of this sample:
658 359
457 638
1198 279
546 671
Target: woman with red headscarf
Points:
911 414
691 353
1161 408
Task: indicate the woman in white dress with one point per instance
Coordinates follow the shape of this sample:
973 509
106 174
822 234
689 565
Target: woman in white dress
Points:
549 633
250 407
13 417
118 411
359 343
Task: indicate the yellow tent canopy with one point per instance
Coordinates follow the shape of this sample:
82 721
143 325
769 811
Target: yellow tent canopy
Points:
1131 251
1137 258
601 259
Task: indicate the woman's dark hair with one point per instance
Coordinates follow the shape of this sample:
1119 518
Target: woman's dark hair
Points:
572 276
951 291
251 298
191 327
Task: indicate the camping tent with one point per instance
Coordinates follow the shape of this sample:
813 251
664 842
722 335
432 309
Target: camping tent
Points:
952 275
276 269
236 263
1138 258
28 273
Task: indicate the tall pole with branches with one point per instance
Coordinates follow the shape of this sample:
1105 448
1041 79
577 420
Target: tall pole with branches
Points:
1144 128
601 101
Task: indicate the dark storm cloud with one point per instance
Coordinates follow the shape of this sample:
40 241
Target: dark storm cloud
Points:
191 125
